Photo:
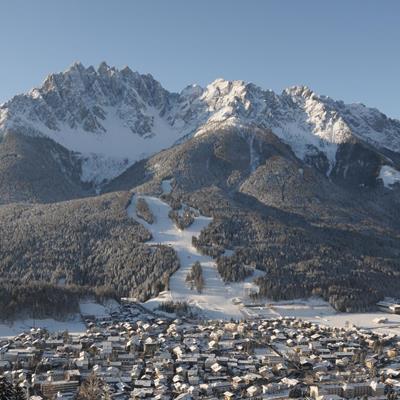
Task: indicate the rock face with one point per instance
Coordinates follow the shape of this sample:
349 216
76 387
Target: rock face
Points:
114 118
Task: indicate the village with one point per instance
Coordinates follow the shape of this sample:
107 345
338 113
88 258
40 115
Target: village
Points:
139 354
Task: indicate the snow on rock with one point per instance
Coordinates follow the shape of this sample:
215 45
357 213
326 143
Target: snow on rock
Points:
127 116
119 114
217 298
389 176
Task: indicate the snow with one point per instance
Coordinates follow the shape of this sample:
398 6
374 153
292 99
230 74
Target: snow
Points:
389 176
216 299
298 117
254 159
220 300
72 325
97 168
107 154
312 308
143 118
371 125
367 321
320 312
90 307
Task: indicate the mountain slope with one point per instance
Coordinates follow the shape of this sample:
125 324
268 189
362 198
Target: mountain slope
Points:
310 235
38 170
116 117
72 248
304 188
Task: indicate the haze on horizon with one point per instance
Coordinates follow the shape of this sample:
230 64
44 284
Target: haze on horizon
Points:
346 50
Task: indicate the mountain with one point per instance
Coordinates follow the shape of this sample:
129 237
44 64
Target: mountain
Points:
302 187
312 235
112 118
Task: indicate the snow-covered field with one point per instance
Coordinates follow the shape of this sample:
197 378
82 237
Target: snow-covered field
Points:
217 298
74 324
319 311
90 307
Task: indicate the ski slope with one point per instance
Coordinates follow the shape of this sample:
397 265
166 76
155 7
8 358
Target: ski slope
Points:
217 298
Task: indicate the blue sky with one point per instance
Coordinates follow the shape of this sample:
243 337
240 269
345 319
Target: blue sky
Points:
347 49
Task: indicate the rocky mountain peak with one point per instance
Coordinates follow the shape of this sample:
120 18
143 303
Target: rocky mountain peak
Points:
299 91
120 114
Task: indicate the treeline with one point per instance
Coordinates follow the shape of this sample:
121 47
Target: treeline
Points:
179 307
195 277
346 283
232 269
173 200
183 220
212 250
143 210
85 243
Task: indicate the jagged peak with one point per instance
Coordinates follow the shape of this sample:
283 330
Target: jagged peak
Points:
136 97
76 66
126 70
222 83
225 91
300 91
103 68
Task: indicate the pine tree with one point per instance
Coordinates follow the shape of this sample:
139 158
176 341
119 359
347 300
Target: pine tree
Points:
19 393
6 389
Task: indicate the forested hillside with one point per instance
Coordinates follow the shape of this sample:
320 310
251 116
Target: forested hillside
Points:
81 243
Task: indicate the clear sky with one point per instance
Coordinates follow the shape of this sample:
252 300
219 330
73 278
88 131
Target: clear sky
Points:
347 49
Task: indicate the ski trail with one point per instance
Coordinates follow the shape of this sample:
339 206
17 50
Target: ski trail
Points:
215 300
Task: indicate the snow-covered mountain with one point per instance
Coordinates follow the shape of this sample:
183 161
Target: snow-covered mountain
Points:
299 186
115 117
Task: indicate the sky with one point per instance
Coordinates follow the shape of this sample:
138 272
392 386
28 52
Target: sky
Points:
346 49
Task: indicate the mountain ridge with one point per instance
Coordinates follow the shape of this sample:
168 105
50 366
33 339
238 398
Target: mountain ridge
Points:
114 118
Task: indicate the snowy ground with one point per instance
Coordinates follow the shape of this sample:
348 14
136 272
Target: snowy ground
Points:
365 321
216 299
74 324
318 311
